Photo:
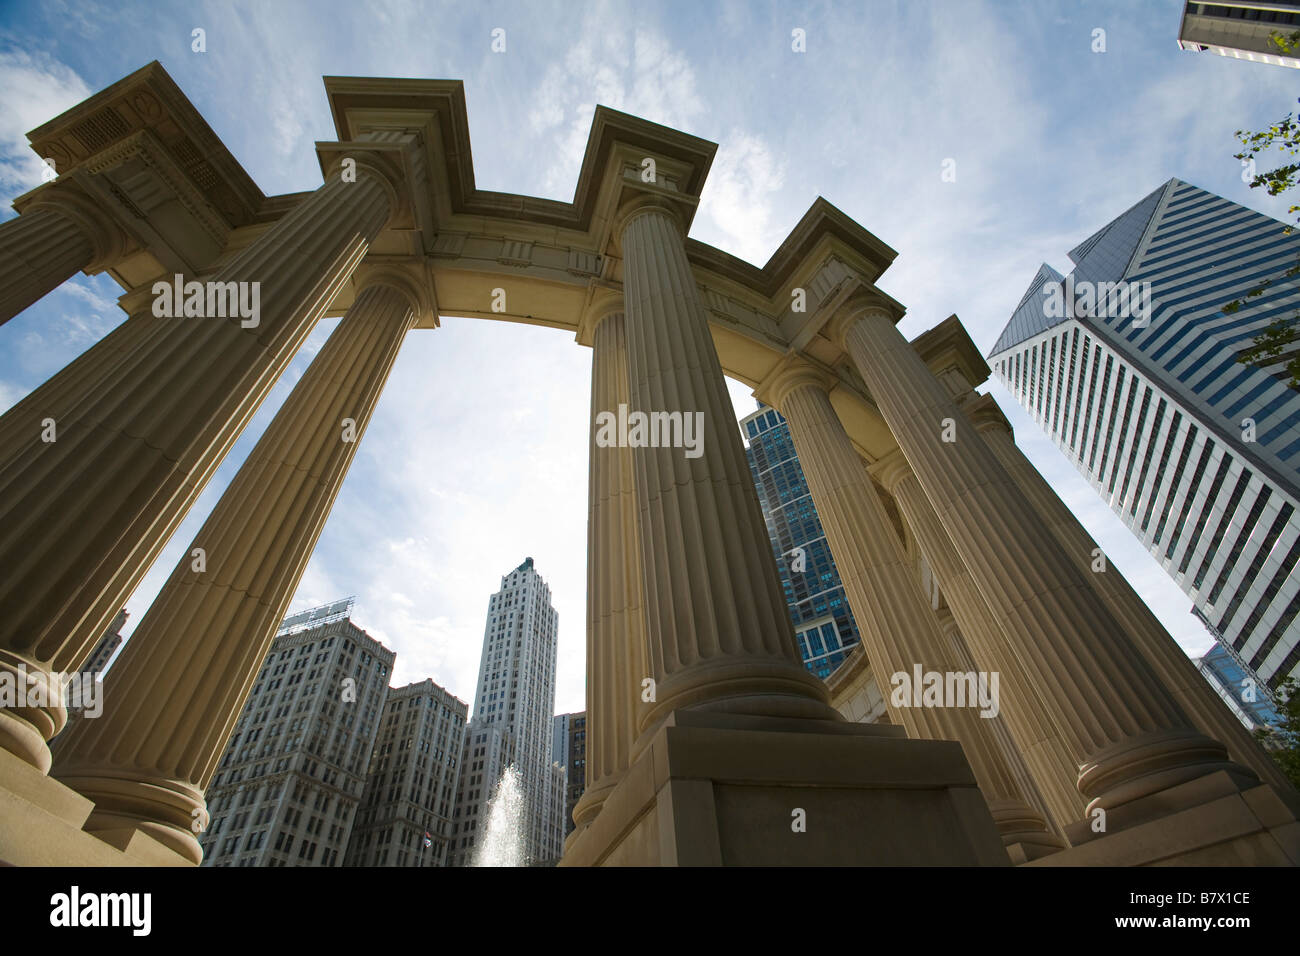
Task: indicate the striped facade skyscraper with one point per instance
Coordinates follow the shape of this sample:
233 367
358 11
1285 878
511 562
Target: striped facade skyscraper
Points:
1130 364
823 623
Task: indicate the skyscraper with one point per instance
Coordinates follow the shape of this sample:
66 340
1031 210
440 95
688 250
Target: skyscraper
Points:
1238 690
108 644
823 623
1240 29
513 707
1130 364
295 768
405 814
569 750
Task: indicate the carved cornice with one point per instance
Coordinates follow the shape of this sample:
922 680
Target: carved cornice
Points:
985 414
948 345
149 99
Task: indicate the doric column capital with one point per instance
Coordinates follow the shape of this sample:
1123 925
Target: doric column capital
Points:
110 241
862 304
605 304
794 372
891 470
647 204
380 161
401 278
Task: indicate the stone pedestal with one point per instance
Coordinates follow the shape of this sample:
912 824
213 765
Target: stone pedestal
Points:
1210 821
715 789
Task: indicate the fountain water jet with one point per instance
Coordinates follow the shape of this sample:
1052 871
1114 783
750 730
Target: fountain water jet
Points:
503 843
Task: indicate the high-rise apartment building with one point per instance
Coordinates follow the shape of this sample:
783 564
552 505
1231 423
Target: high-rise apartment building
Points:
513 706
1130 364
1241 29
569 750
293 774
405 814
823 622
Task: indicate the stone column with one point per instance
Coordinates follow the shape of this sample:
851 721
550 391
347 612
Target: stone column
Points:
899 628
1028 717
998 726
53 239
719 634
1161 652
174 695
1122 727
82 516
615 608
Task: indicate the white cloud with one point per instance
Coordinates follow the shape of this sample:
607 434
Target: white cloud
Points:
37 88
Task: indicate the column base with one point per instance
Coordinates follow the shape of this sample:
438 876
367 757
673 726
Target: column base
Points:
715 789
1024 831
42 820
126 803
27 730
1216 820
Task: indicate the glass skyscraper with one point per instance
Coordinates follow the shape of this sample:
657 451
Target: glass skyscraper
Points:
823 623
1137 380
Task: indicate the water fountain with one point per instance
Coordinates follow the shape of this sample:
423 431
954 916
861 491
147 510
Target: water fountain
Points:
503 843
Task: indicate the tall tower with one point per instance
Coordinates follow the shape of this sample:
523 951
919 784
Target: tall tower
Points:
1197 453
814 594
511 723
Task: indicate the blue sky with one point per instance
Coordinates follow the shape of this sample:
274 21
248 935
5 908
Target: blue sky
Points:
470 463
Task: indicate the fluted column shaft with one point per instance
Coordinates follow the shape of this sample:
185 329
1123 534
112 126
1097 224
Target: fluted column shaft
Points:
39 251
174 695
719 634
899 628
998 726
82 516
1027 716
1188 686
615 607
1125 732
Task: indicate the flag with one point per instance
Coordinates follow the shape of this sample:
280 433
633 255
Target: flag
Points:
428 840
